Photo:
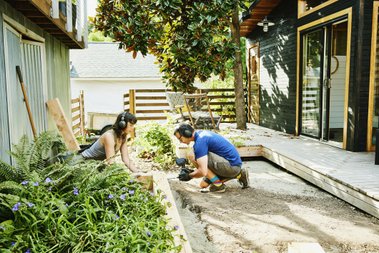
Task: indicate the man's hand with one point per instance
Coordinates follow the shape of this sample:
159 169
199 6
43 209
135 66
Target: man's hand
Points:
184 174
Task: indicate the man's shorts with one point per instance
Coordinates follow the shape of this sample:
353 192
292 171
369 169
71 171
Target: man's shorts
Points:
221 167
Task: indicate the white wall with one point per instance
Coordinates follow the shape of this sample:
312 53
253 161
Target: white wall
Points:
337 93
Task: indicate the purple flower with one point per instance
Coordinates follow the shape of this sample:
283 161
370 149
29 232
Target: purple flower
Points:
76 191
123 196
13 244
30 204
110 196
131 181
48 180
27 251
116 217
148 233
176 227
25 182
36 184
131 192
16 206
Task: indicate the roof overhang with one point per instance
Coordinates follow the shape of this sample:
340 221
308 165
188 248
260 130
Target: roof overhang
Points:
38 11
257 11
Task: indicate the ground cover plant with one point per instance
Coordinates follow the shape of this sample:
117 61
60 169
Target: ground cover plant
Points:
86 207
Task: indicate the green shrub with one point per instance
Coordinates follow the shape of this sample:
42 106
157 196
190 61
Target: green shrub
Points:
154 142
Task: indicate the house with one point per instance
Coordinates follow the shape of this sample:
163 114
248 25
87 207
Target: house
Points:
313 69
105 73
36 37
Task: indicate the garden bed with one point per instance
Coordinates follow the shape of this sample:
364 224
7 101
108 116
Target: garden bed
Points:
157 182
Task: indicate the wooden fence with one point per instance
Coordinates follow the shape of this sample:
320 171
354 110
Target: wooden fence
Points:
151 104
77 115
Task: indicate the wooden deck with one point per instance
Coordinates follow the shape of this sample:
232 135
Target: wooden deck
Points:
351 176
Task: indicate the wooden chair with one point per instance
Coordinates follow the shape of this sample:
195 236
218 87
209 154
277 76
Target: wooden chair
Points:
200 113
194 108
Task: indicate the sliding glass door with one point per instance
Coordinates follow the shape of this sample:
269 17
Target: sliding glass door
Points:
323 79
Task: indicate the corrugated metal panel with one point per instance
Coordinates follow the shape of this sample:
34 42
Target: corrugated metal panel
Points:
4 130
17 115
32 69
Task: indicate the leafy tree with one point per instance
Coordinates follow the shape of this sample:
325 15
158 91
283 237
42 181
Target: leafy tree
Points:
190 38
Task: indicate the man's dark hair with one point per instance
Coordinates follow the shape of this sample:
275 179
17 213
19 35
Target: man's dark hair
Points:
185 130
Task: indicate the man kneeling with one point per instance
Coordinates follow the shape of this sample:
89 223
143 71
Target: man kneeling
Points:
216 159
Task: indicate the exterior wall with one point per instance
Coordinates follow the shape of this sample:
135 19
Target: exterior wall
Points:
58 75
278 69
55 71
360 76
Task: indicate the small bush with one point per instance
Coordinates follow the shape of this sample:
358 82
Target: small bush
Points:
154 142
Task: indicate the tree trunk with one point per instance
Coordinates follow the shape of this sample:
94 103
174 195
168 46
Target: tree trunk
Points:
238 74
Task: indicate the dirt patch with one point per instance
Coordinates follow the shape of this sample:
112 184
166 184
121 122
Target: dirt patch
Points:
279 208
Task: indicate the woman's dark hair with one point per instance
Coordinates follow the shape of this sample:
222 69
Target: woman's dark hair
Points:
122 121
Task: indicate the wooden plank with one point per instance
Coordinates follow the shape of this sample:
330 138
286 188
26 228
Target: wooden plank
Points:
151 111
150 97
152 104
304 247
56 111
162 185
251 151
152 118
76 117
151 90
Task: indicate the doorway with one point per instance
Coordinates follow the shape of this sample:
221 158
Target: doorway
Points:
254 87
323 69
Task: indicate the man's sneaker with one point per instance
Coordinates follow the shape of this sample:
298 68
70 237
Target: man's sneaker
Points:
244 178
214 188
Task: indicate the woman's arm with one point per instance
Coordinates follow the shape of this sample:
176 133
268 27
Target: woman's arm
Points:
125 157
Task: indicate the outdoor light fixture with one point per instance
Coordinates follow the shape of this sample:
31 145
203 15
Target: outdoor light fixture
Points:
265 23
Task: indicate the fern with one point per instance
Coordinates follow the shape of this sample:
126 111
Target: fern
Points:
10 186
8 172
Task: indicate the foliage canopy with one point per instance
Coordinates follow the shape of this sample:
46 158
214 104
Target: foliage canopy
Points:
190 39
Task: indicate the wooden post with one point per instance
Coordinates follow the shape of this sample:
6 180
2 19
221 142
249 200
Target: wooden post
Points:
56 111
132 107
81 106
132 101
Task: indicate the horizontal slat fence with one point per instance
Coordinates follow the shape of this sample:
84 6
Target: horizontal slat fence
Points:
147 104
151 104
77 115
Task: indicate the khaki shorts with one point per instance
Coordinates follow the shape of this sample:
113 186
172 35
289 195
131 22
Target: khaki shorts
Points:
221 167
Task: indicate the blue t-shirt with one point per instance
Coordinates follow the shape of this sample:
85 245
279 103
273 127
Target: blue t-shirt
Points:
208 141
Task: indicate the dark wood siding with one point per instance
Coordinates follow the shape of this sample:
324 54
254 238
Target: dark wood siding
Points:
360 75
278 60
